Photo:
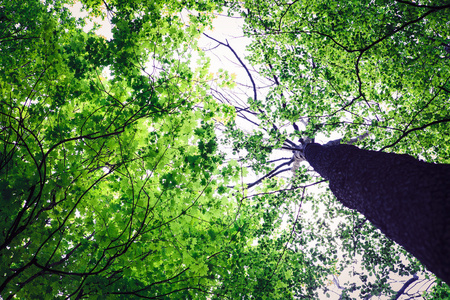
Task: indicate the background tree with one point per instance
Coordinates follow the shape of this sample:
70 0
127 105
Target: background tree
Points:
107 180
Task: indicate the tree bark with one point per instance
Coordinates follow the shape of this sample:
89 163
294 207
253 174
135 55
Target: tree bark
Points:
407 199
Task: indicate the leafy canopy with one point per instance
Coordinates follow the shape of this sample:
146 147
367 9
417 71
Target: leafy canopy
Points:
109 163
112 181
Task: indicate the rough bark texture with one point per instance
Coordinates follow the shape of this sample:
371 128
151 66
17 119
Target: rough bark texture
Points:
407 199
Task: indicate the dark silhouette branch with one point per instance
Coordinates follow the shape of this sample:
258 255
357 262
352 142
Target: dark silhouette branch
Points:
271 174
255 94
405 286
294 225
284 190
285 12
414 129
423 6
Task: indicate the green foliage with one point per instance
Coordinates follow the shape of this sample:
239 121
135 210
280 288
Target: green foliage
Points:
439 291
112 183
344 69
357 66
108 180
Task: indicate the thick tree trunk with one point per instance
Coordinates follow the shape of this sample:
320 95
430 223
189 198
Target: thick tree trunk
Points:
407 199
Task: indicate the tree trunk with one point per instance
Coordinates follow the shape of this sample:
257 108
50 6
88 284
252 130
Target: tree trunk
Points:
407 199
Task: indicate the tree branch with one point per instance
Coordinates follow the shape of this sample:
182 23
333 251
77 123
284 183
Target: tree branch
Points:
405 286
423 6
414 129
255 94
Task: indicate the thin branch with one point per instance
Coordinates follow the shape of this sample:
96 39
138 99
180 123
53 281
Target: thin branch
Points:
271 174
423 6
289 239
289 189
414 129
405 286
255 94
285 12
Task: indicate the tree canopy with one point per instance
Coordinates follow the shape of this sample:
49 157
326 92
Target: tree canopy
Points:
115 176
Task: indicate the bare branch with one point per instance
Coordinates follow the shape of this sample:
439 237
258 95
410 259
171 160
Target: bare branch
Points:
405 286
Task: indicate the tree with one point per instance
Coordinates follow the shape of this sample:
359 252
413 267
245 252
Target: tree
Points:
113 182
405 198
107 180
348 69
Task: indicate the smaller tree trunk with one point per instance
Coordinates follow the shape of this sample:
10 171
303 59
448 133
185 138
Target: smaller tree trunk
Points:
407 199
